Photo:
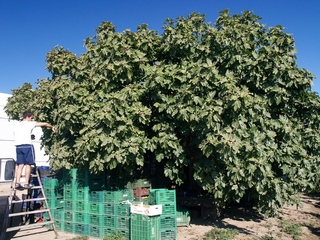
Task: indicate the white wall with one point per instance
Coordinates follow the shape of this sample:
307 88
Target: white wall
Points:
7 148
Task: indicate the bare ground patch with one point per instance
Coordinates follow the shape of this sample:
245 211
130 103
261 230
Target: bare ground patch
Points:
251 225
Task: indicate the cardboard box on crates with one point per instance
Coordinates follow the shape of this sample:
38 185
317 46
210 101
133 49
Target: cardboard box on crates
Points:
144 209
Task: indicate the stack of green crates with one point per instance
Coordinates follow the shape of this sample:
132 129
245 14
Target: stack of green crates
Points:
76 197
73 214
107 213
88 209
80 204
145 227
168 218
53 189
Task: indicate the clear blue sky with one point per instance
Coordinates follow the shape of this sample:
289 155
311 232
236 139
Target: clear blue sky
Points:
31 28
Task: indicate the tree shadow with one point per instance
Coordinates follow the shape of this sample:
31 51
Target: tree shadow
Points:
313 229
243 213
314 196
314 199
12 221
234 212
26 233
203 213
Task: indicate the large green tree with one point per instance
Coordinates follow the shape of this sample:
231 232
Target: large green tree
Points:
224 102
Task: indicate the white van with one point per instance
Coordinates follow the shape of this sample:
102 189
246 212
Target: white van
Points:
7 148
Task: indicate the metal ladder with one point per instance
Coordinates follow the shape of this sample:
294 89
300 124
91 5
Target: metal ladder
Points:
13 199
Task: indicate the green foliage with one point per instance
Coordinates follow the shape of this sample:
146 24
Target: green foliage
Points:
114 236
227 99
21 101
221 234
80 238
293 229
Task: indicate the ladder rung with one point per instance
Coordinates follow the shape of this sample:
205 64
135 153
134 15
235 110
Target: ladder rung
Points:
28 212
33 175
28 200
34 187
29 226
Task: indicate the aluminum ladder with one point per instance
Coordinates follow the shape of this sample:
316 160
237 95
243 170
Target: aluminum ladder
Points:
13 199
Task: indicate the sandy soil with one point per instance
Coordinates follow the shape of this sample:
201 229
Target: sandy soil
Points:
251 226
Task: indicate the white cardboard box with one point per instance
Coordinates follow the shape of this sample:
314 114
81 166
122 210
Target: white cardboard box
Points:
144 209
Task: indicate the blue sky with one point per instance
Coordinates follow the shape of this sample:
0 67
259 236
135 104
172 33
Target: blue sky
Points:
31 28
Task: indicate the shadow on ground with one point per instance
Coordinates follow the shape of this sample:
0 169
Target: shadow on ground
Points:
235 213
13 221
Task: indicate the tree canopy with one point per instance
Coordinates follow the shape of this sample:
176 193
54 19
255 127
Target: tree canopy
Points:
226 100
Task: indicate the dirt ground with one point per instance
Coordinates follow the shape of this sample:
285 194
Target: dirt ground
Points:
249 224
253 226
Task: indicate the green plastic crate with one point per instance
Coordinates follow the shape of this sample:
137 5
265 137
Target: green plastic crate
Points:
169 209
81 194
75 174
109 209
122 209
96 231
50 183
96 196
109 230
81 229
160 196
110 221
168 234
118 196
123 223
168 221
80 217
57 214
68 194
96 208
118 209
69 227
96 219
183 218
56 202
75 184
68 216
68 204
59 225
53 193
144 227
46 217
81 206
